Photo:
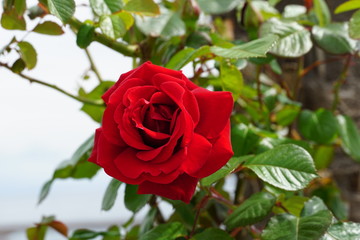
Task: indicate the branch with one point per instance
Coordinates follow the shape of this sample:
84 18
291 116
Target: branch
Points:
93 66
127 50
33 80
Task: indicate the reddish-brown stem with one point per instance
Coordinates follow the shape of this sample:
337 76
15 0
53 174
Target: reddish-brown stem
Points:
318 63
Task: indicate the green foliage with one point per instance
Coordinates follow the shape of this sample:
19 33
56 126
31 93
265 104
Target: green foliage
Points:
85 35
334 38
133 201
63 9
294 39
255 48
218 6
165 231
354 23
77 167
251 211
28 54
212 233
286 166
319 126
142 7
49 28
110 195
350 136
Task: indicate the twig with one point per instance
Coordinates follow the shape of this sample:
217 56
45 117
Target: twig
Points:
258 86
318 63
340 82
201 205
33 80
93 66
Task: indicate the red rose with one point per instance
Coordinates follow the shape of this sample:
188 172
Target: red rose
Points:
162 132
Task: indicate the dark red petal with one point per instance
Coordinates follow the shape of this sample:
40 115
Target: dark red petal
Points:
110 127
117 97
128 131
220 154
198 153
182 188
132 167
94 153
105 153
182 97
108 93
132 95
215 110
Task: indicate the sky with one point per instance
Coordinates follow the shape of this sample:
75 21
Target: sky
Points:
40 127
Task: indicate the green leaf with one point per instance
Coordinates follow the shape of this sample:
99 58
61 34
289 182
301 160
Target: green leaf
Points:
18 66
295 205
313 206
350 136
230 166
218 6
11 21
134 201
293 11
28 54
49 28
294 39
334 38
45 190
287 166
142 7
243 139
165 232
85 35
77 167
166 25
105 7
112 26
286 226
354 25
251 211
344 231
287 114
348 6
113 233
323 156
319 126
148 221
212 233
20 6
255 48
183 57
231 79
63 9
95 112
322 12
110 194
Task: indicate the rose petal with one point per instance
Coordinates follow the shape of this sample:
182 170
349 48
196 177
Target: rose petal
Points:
215 110
182 97
182 188
117 97
104 154
110 127
198 153
132 95
220 154
132 167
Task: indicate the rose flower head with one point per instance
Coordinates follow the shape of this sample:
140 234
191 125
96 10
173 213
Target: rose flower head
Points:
162 132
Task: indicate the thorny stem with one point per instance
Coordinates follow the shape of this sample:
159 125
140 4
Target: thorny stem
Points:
340 82
258 86
127 50
93 66
200 206
298 77
316 64
33 80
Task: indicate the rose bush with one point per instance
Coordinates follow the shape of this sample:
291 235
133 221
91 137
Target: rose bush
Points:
162 132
